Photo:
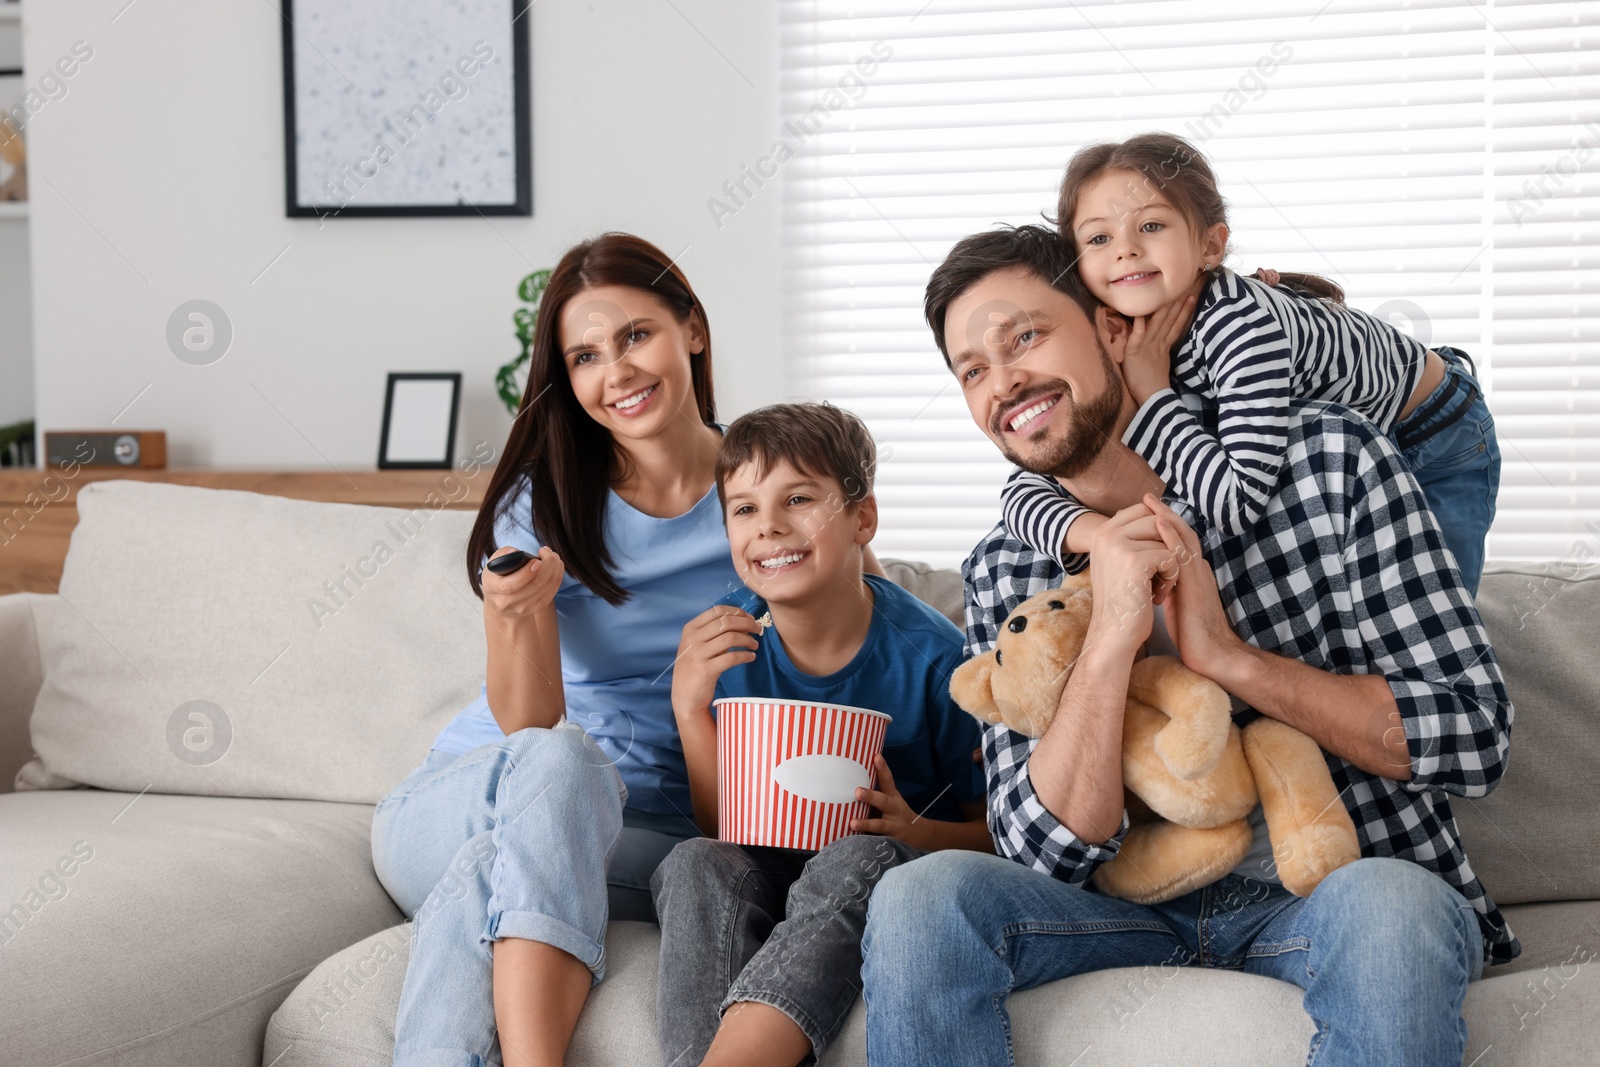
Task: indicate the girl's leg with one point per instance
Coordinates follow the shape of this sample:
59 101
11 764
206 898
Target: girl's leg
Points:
538 875
1457 466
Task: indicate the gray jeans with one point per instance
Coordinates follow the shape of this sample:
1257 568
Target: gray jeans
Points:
777 926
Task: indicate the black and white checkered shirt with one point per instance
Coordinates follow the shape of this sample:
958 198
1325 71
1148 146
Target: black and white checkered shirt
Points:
1346 571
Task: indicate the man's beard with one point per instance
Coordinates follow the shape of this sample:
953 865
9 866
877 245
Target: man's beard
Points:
1089 431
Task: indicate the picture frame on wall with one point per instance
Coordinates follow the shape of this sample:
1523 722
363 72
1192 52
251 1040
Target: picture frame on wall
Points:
419 421
407 108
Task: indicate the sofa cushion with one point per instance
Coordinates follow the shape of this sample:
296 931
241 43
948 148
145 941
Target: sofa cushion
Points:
226 643
344 1012
164 930
1535 837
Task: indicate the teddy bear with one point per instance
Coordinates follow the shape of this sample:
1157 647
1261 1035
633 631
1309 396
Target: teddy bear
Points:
1191 776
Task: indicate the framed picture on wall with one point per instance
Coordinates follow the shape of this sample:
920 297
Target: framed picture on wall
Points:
419 421
13 137
411 107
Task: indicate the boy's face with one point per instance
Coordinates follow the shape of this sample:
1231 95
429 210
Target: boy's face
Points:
792 533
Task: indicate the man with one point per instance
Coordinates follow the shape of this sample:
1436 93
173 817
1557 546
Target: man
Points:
1339 613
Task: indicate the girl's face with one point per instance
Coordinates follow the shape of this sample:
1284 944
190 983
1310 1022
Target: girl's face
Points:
1136 251
627 356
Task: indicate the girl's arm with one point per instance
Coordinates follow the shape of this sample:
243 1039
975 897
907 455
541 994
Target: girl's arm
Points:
524 643
1045 517
1244 364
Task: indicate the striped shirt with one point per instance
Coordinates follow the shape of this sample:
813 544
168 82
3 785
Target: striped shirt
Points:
1345 571
1217 438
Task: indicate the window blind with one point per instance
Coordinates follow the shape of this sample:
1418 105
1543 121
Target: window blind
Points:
1384 146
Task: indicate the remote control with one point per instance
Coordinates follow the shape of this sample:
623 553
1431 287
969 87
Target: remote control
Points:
510 563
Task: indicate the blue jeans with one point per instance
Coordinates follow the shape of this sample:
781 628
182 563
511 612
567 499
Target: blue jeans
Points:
524 838
1383 948
1456 459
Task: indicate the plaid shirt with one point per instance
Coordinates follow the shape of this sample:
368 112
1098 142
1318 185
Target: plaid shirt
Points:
1346 571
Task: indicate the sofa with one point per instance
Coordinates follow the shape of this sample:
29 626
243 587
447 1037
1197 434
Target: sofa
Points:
199 723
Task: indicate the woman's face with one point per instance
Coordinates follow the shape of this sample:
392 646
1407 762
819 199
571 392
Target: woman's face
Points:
627 356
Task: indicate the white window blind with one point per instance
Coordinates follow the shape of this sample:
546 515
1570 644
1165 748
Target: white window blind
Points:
1387 146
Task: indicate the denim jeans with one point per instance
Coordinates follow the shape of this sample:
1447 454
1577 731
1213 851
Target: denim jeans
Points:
776 926
1383 948
524 838
1457 466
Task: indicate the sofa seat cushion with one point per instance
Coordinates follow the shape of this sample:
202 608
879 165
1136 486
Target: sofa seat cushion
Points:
344 1012
162 931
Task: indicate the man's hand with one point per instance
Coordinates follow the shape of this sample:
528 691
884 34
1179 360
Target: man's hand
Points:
1129 559
1147 360
1196 621
718 638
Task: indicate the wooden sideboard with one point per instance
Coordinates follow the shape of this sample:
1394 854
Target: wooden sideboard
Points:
39 508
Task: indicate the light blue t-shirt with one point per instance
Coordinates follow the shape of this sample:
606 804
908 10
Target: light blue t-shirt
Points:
616 662
902 669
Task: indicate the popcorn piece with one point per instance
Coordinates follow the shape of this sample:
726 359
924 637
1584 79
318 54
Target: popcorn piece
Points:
765 622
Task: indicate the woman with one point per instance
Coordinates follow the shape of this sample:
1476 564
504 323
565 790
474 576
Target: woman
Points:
520 834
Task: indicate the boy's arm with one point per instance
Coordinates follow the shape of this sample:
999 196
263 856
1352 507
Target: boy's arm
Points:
716 639
1043 516
896 819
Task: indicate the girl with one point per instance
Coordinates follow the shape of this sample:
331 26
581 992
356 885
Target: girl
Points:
1148 227
520 834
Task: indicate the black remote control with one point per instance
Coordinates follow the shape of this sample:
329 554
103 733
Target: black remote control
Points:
510 563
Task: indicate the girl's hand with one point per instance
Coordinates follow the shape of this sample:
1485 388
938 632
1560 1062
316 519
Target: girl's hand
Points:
526 592
1268 275
1147 361
895 817
718 638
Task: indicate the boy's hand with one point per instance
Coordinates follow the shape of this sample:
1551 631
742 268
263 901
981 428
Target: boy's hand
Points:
895 817
718 638
1147 362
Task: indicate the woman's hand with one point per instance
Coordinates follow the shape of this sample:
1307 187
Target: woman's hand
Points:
1147 361
526 592
720 637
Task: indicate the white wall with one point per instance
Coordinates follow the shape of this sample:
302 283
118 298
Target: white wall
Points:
159 178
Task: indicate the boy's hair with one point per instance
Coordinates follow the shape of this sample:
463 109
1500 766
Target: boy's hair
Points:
1180 172
1037 248
816 438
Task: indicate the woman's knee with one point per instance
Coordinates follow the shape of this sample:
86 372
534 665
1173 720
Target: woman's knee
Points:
562 764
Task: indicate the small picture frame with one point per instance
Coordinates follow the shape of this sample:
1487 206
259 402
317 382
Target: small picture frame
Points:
419 421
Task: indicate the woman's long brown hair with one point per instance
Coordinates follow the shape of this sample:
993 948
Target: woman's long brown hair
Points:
1174 167
569 458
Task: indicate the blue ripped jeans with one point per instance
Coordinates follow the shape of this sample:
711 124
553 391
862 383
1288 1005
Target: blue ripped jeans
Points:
1383 949
529 838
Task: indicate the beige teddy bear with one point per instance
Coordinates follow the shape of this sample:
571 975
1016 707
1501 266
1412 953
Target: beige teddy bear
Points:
1191 776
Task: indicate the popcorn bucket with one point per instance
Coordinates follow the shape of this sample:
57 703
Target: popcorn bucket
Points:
787 770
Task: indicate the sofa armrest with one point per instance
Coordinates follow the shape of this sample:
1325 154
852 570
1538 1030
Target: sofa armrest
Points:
24 622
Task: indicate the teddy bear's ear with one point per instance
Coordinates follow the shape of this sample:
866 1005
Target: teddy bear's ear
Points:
971 687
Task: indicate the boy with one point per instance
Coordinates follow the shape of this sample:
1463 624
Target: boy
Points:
772 936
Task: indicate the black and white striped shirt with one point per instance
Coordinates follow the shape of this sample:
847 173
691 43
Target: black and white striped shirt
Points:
1345 571
1217 437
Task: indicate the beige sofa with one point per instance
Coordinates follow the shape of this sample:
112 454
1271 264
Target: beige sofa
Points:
227 682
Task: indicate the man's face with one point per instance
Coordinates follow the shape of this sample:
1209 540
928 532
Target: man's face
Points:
1036 377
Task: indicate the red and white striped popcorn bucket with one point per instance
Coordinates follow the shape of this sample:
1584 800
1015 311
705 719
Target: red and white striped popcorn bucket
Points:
787 770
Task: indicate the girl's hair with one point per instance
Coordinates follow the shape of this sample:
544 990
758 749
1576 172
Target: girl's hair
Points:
1176 169
567 457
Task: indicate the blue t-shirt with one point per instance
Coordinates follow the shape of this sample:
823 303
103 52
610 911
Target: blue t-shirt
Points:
616 662
902 669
